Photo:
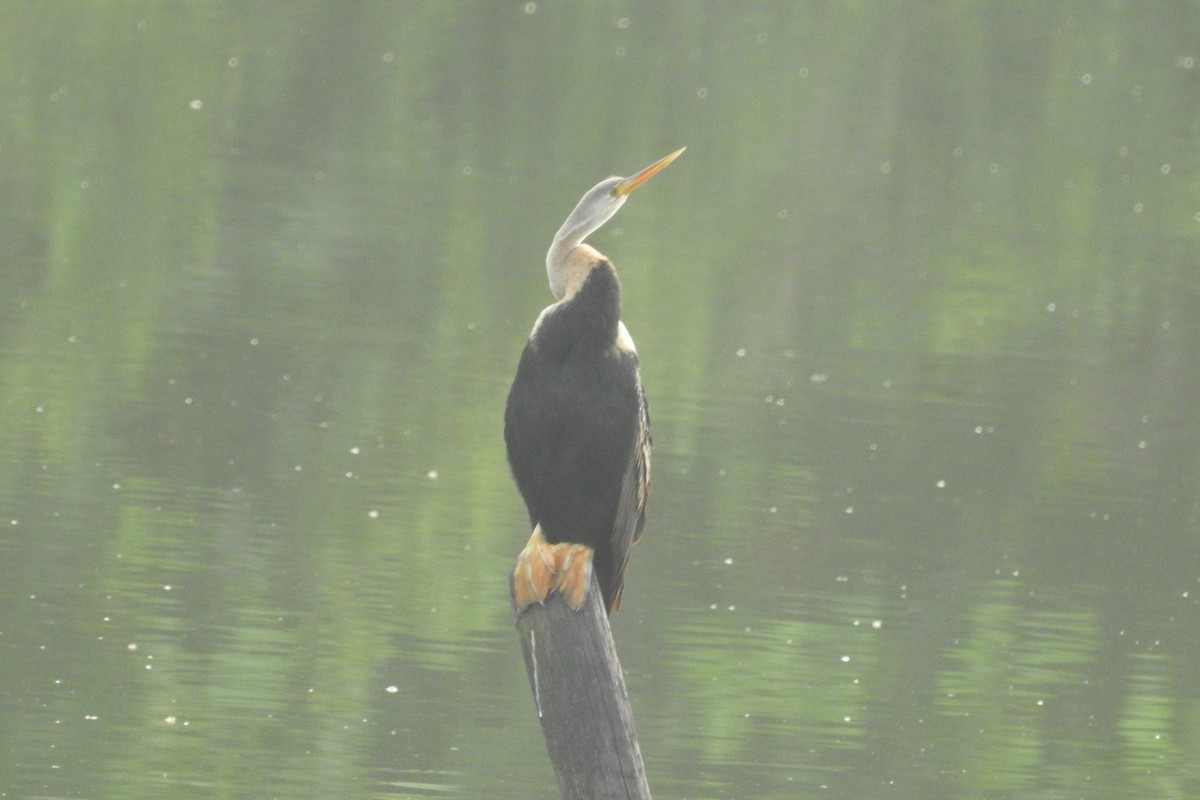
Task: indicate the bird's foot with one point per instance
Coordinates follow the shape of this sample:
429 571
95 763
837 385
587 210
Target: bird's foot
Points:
544 568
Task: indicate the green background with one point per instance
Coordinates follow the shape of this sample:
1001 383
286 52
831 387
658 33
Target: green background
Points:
918 312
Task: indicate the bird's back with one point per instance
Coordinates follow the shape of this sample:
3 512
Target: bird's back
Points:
574 423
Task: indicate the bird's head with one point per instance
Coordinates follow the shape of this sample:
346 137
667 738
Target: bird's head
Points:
595 208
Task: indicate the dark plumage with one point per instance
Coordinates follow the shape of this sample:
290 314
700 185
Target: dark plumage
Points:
577 429
576 425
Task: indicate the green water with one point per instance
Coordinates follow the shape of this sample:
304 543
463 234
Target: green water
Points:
918 313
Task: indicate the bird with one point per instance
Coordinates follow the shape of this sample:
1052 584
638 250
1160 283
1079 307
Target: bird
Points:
576 424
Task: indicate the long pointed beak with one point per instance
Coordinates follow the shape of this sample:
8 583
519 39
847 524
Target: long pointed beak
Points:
629 184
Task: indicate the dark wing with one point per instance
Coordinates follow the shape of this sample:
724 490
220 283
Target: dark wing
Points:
631 507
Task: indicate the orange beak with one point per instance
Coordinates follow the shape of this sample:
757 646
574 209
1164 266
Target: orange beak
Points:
629 184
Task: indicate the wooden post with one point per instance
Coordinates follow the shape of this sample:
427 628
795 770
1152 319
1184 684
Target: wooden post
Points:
580 697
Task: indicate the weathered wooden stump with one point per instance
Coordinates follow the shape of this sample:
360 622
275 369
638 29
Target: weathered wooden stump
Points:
581 700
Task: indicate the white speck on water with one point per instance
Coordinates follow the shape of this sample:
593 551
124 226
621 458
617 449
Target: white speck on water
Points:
845 659
803 72
1050 307
196 105
740 352
1086 79
702 93
373 513
432 474
941 484
530 8
354 451
876 624
298 468
819 377
254 342
1165 169
622 22
849 509
131 647
392 689
729 561
389 57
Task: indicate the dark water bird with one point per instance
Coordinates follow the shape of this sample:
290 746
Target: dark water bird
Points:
576 425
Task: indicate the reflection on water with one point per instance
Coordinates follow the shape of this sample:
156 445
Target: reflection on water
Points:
921 373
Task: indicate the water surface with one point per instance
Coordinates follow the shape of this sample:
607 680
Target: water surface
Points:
917 312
